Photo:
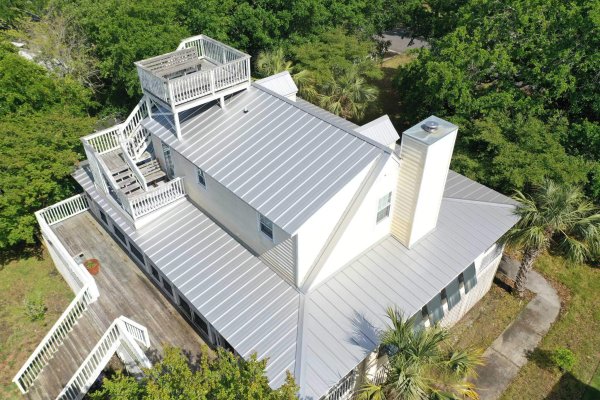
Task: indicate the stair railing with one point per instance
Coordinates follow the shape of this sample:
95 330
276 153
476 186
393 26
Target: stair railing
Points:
116 335
133 166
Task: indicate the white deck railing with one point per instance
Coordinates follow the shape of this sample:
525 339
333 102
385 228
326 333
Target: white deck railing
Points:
53 339
232 68
79 280
116 335
156 198
105 140
133 166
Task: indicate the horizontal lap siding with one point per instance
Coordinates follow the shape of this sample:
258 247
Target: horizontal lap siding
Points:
282 258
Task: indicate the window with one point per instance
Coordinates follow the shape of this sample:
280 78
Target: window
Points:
119 234
103 218
383 208
167 287
185 306
200 323
154 272
201 179
266 226
168 160
137 253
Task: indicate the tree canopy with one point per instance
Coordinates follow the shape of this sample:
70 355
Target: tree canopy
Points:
224 377
520 79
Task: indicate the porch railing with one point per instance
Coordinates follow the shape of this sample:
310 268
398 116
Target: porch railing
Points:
53 339
231 68
79 280
154 199
116 334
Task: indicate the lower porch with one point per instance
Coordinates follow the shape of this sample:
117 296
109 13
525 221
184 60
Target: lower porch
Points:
124 290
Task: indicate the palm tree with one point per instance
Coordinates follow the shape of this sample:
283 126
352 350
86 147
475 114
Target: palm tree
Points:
554 216
272 62
346 94
421 365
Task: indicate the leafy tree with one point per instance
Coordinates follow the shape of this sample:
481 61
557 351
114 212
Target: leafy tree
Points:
38 152
347 94
59 47
512 67
26 87
272 62
11 11
554 216
224 377
421 365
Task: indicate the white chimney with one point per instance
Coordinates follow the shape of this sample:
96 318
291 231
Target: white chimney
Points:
425 154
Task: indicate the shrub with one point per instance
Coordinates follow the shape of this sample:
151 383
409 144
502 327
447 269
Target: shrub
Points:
35 309
563 358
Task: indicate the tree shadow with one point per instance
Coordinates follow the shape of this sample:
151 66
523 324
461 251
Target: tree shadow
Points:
569 387
542 358
365 334
20 251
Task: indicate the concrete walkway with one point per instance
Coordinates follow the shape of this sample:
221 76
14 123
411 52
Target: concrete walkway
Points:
508 353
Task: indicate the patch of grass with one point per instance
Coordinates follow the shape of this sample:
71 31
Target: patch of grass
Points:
22 279
487 319
577 329
388 101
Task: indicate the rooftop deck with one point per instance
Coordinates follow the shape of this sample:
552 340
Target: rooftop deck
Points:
124 290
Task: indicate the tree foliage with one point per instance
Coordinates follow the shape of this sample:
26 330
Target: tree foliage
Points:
421 364
520 78
224 377
42 117
558 217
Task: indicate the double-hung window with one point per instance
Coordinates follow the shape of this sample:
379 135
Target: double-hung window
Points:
266 226
201 179
383 207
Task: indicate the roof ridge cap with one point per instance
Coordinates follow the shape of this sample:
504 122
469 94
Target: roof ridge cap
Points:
469 201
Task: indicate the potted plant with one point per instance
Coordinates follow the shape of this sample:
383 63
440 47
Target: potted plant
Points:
92 265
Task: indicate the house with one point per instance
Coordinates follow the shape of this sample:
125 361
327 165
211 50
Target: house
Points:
276 227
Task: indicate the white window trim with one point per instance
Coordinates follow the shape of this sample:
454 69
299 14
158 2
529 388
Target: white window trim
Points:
388 208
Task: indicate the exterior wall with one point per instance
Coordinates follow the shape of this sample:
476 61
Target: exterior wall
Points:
234 215
423 174
313 235
363 231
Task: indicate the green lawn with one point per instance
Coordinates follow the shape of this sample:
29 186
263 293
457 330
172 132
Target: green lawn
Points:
487 319
20 279
577 328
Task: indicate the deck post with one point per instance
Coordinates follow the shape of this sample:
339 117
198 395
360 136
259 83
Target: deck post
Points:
148 106
222 102
177 125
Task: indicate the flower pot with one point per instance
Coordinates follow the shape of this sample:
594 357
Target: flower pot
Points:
92 265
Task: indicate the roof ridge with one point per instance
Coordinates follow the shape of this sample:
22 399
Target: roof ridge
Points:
333 123
469 201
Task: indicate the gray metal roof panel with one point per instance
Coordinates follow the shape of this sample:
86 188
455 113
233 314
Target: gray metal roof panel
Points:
461 187
344 313
281 83
233 289
296 158
381 130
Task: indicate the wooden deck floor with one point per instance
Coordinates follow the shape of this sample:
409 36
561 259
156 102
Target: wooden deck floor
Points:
124 290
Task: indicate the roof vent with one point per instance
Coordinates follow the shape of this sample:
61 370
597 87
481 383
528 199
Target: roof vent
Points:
430 126
245 110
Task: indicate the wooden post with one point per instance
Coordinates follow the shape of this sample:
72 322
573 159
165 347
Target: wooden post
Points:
148 106
222 102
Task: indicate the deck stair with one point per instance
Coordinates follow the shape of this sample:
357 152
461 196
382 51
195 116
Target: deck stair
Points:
124 176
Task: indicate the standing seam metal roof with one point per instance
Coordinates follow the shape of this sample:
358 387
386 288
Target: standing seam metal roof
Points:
344 315
248 303
281 158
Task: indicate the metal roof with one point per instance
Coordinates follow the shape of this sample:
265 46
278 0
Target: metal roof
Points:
284 159
249 304
461 187
281 83
342 317
380 130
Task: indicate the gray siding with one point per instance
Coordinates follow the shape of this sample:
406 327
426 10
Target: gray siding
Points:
282 258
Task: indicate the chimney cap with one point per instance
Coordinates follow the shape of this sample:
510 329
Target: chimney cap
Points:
430 126
430 130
